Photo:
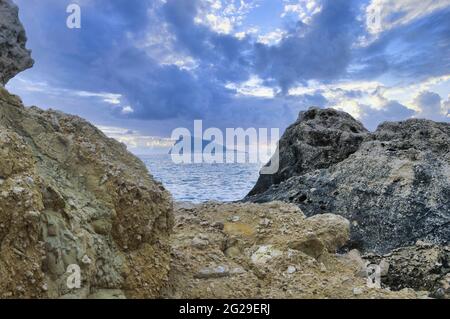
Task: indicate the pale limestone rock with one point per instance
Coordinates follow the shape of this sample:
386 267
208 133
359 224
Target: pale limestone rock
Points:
58 214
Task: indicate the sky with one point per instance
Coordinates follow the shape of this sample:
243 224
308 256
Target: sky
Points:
138 69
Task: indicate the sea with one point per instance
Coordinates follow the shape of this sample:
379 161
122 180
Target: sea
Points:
203 182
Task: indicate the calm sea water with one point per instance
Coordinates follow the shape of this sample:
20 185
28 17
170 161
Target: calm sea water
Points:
203 182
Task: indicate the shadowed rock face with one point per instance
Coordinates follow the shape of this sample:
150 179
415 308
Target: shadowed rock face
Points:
14 57
422 267
318 139
393 185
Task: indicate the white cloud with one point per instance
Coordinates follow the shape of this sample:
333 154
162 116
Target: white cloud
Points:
407 93
127 109
304 10
253 87
334 91
272 38
431 106
368 101
219 24
446 108
109 98
250 31
224 16
348 95
25 85
382 15
159 42
115 101
135 140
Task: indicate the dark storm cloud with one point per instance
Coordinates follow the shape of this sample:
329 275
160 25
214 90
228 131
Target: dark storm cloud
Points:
101 57
104 57
417 50
223 57
320 51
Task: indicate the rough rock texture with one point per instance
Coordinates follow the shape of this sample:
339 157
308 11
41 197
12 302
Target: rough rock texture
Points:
71 196
319 139
423 266
14 57
72 200
264 251
393 185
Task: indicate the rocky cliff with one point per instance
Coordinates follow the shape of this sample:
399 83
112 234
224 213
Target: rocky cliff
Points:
14 57
74 204
71 196
393 185
80 217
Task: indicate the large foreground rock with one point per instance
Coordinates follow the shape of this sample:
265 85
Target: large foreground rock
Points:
319 139
14 57
393 185
74 204
264 251
71 197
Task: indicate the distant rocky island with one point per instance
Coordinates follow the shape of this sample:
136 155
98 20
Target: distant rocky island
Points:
189 146
72 199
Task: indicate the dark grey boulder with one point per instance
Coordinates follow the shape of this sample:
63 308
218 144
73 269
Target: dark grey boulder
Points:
318 139
422 267
14 56
393 185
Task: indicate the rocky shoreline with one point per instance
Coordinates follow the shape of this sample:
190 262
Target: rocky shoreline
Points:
271 250
75 201
393 185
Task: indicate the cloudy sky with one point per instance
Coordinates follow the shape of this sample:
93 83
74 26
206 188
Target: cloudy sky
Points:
140 68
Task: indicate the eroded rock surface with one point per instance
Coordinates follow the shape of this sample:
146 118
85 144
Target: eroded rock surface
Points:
264 251
74 204
318 139
393 185
14 57
423 266
74 201
71 196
